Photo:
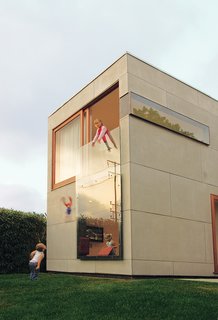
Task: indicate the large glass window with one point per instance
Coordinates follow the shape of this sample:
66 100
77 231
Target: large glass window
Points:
99 211
165 117
66 154
79 130
98 185
94 166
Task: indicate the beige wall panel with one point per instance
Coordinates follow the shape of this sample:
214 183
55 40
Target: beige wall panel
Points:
123 84
110 76
187 240
150 190
197 113
127 235
212 189
81 266
209 164
188 109
62 241
181 90
146 72
114 267
56 208
162 149
124 140
71 266
208 103
190 199
104 267
49 139
209 243
56 265
146 90
125 108
49 176
141 267
193 269
156 237
49 161
213 125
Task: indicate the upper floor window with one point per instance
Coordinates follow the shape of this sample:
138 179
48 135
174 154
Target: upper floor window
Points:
66 155
67 150
165 117
78 130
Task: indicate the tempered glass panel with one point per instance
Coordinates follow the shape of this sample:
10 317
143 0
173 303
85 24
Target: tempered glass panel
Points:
154 112
98 190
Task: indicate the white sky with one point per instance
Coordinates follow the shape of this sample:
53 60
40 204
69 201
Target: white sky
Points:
50 49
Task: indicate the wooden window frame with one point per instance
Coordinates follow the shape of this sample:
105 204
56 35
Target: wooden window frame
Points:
80 113
214 198
55 130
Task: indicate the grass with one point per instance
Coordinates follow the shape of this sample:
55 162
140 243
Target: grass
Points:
64 296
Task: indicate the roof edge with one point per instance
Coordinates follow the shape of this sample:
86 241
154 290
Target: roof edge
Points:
88 83
135 57
168 74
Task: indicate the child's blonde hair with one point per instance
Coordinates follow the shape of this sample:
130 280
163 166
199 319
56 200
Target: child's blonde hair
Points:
97 121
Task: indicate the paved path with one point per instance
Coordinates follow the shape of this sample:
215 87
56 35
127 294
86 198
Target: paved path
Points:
214 280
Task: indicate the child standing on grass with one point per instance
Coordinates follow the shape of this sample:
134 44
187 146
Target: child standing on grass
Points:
36 258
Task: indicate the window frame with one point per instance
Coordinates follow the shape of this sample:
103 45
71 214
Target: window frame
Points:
150 104
85 111
54 131
214 198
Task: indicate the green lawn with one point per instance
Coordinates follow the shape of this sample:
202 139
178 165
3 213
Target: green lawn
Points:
63 296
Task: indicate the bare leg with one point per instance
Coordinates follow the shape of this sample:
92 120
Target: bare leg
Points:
107 145
112 140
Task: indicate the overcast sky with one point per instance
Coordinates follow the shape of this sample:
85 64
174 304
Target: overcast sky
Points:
50 49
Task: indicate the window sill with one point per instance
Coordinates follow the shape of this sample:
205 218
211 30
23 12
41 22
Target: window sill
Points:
63 183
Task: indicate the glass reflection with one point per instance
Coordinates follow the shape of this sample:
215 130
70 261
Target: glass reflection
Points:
99 202
151 111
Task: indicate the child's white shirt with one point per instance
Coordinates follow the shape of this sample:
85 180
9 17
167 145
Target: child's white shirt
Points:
36 257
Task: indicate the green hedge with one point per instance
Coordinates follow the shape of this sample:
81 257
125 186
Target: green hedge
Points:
19 233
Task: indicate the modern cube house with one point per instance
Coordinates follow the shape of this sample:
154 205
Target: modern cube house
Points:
148 205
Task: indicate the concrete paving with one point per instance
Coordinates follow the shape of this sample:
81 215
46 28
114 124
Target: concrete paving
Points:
214 280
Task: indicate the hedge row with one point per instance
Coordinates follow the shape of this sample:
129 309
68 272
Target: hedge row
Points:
19 233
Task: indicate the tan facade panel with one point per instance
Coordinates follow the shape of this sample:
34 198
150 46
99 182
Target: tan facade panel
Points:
190 199
161 149
164 238
152 268
193 269
209 166
146 89
150 190
146 73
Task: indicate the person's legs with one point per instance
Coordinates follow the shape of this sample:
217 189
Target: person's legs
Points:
107 145
36 274
33 271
